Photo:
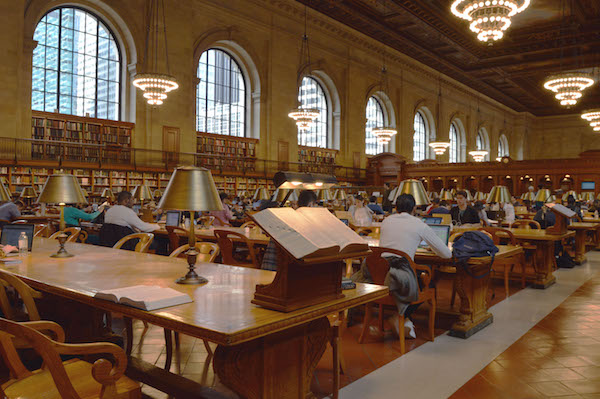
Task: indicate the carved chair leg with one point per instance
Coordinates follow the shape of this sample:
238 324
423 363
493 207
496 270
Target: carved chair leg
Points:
208 348
432 304
169 347
146 326
366 321
176 340
401 331
453 297
128 334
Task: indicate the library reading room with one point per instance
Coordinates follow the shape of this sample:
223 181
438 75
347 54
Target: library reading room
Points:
299 199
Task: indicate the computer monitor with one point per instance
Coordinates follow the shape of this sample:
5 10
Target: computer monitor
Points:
442 231
136 208
11 232
173 218
432 220
346 222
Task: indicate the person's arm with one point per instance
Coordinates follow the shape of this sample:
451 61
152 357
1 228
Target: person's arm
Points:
14 212
435 243
79 214
134 221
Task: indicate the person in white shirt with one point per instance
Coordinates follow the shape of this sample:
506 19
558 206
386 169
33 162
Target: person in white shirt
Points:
404 232
362 215
122 214
509 211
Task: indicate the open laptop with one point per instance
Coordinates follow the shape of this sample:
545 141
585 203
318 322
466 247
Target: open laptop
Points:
11 232
136 208
442 231
432 220
173 218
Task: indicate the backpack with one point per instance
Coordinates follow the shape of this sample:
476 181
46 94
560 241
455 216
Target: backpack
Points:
473 244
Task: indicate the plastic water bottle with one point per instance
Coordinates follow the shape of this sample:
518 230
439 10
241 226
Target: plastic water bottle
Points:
23 244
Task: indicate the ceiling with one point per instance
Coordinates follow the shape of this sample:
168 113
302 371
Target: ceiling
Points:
511 70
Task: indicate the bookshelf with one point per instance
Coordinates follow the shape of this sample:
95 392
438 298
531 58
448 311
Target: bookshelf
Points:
319 160
231 153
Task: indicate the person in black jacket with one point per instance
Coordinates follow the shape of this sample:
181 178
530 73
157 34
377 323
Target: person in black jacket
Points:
463 213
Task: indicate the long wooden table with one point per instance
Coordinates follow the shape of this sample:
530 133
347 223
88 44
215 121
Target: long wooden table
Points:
581 235
261 353
253 235
473 314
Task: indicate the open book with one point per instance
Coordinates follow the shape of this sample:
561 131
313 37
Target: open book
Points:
145 297
309 232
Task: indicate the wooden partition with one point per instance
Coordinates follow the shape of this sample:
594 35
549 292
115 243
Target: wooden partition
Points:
555 174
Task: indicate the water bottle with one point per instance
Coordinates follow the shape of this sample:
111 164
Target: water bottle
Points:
23 244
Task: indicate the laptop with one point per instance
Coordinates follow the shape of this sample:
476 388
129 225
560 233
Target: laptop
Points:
442 231
173 218
432 220
11 232
136 208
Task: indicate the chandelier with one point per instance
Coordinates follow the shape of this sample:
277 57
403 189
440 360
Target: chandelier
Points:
479 155
384 134
304 117
489 18
151 82
592 116
569 86
439 147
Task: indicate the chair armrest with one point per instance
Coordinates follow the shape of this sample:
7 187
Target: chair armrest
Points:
44 326
103 370
425 276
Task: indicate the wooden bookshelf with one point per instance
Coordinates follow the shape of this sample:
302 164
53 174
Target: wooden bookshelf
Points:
318 160
238 153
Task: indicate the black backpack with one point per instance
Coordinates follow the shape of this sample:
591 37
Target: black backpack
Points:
473 244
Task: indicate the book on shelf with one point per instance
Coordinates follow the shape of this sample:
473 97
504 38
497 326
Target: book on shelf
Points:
310 232
145 297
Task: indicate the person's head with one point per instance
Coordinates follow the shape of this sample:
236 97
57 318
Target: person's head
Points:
359 201
513 199
436 202
570 200
405 203
307 198
444 204
461 198
531 188
224 197
125 198
20 204
373 199
478 206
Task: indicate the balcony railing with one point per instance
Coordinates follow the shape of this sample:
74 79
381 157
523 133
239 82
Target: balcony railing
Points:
69 154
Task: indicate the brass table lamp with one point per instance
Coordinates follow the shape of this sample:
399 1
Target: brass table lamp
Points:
340 195
108 194
28 194
324 195
542 195
571 192
62 189
499 194
261 194
5 194
587 196
446 195
480 196
142 193
415 188
529 196
191 189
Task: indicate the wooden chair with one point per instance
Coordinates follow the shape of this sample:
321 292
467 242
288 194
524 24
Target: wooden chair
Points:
206 220
72 232
174 233
72 379
145 239
499 236
221 221
83 236
26 294
227 246
19 221
250 224
378 269
526 224
41 230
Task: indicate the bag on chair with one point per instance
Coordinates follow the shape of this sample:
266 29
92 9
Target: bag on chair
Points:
473 244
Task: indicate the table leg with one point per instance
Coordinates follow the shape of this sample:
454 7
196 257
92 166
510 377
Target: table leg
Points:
580 238
472 292
276 366
544 264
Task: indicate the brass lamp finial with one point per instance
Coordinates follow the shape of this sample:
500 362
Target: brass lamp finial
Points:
499 194
415 188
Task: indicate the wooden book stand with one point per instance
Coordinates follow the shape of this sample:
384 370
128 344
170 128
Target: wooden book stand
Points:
562 214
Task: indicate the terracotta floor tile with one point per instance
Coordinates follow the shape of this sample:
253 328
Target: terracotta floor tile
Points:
551 389
589 372
572 361
563 374
584 386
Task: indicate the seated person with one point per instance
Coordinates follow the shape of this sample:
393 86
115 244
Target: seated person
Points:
463 213
439 207
404 232
223 217
480 208
509 210
545 217
573 205
362 215
121 220
73 215
374 206
11 210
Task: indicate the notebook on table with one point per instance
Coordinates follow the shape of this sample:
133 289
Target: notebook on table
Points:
442 231
11 233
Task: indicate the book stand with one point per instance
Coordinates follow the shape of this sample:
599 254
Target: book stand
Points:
562 214
300 283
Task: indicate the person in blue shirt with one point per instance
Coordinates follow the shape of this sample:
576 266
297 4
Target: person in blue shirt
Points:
73 215
374 206
442 208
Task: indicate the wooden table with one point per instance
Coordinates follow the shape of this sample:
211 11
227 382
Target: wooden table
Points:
261 353
473 314
256 236
526 215
40 218
581 229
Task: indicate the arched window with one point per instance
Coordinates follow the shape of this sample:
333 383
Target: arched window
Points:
502 147
420 138
220 95
311 95
76 65
375 118
454 149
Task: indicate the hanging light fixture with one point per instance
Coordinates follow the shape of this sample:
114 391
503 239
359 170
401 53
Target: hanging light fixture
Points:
304 117
439 147
384 133
479 155
489 18
592 116
154 84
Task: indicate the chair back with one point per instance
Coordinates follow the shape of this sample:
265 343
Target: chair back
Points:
227 247
72 232
250 224
145 239
455 236
217 221
20 221
207 251
26 294
173 233
498 235
41 230
110 234
206 220
526 224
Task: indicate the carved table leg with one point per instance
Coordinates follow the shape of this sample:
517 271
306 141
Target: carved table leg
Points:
580 239
474 314
277 366
544 264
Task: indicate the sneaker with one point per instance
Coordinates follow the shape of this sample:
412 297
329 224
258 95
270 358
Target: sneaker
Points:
409 329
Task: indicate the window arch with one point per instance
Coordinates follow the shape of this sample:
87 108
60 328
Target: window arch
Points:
312 95
482 142
503 150
375 118
420 138
76 65
454 149
220 94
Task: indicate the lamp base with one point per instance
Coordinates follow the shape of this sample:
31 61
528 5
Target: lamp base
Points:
62 252
191 277
191 280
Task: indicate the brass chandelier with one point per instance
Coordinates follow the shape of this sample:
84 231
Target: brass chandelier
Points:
489 18
384 133
592 116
